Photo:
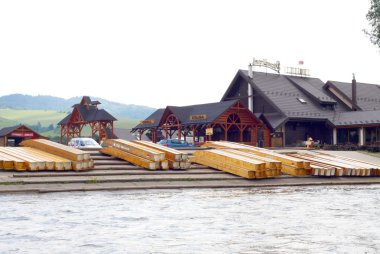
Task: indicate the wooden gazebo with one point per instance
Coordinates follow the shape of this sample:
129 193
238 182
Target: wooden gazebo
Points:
87 113
227 120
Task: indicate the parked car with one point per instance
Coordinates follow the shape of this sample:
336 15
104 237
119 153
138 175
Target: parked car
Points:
174 143
84 143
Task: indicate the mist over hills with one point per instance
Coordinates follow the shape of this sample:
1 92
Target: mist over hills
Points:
46 102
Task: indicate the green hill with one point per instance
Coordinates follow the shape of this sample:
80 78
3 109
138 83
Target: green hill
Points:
32 117
40 120
51 103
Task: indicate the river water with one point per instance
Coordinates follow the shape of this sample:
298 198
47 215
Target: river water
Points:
340 219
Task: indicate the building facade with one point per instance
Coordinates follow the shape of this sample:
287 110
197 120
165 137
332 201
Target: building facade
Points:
296 108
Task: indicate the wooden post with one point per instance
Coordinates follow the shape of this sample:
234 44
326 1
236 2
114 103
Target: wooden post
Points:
361 136
194 132
254 136
335 136
266 137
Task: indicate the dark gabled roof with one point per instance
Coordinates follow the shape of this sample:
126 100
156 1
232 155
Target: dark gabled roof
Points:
357 118
313 87
211 110
151 121
367 95
282 93
274 119
89 112
65 120
86 99
5 131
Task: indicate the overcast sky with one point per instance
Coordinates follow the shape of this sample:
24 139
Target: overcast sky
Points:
159 53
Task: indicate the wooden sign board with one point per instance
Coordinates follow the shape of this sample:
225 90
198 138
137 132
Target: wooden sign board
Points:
147 122
198 117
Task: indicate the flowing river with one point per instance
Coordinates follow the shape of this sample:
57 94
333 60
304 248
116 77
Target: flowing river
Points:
334 219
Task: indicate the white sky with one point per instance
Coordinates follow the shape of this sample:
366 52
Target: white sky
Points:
159 53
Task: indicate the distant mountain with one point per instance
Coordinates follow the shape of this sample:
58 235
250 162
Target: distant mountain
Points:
43 102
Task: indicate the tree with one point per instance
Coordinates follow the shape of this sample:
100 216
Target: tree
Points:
373 17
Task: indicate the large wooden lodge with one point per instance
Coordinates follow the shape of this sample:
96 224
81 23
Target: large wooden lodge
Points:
268 109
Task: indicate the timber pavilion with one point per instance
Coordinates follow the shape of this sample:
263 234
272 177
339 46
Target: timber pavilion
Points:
226 120
87 113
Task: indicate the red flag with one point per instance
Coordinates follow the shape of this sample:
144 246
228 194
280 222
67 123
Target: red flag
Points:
300 62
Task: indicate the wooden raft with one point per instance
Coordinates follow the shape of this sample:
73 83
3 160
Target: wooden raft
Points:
239 164
80 160
289 165
134 159
146 154
337 165
9 162
175 158
136 149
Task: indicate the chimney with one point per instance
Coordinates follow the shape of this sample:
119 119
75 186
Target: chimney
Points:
250 72
354 101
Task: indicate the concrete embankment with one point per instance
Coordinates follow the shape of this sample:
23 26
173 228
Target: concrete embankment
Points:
113 174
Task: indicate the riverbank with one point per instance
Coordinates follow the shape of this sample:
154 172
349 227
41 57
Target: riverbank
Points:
111 174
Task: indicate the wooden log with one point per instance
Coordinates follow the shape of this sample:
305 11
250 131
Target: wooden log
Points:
57 149
230 158
136 149
41 164
31 163
291 161
170 153
294 171
174 164
269 163
233 169
60 163
131 158
184 164
11 162
164 164
344 166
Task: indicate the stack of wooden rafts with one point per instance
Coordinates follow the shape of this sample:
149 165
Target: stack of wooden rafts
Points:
146 154
229 157
42 154
323 164
285 163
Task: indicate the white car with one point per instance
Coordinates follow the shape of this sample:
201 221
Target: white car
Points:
84 143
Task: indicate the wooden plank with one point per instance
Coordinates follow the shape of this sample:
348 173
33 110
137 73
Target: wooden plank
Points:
57 149
170 153
130 158
136 149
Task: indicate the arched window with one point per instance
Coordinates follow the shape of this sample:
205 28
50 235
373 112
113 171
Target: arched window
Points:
233 118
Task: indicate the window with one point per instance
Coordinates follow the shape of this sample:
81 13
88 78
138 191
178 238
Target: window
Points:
301 100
